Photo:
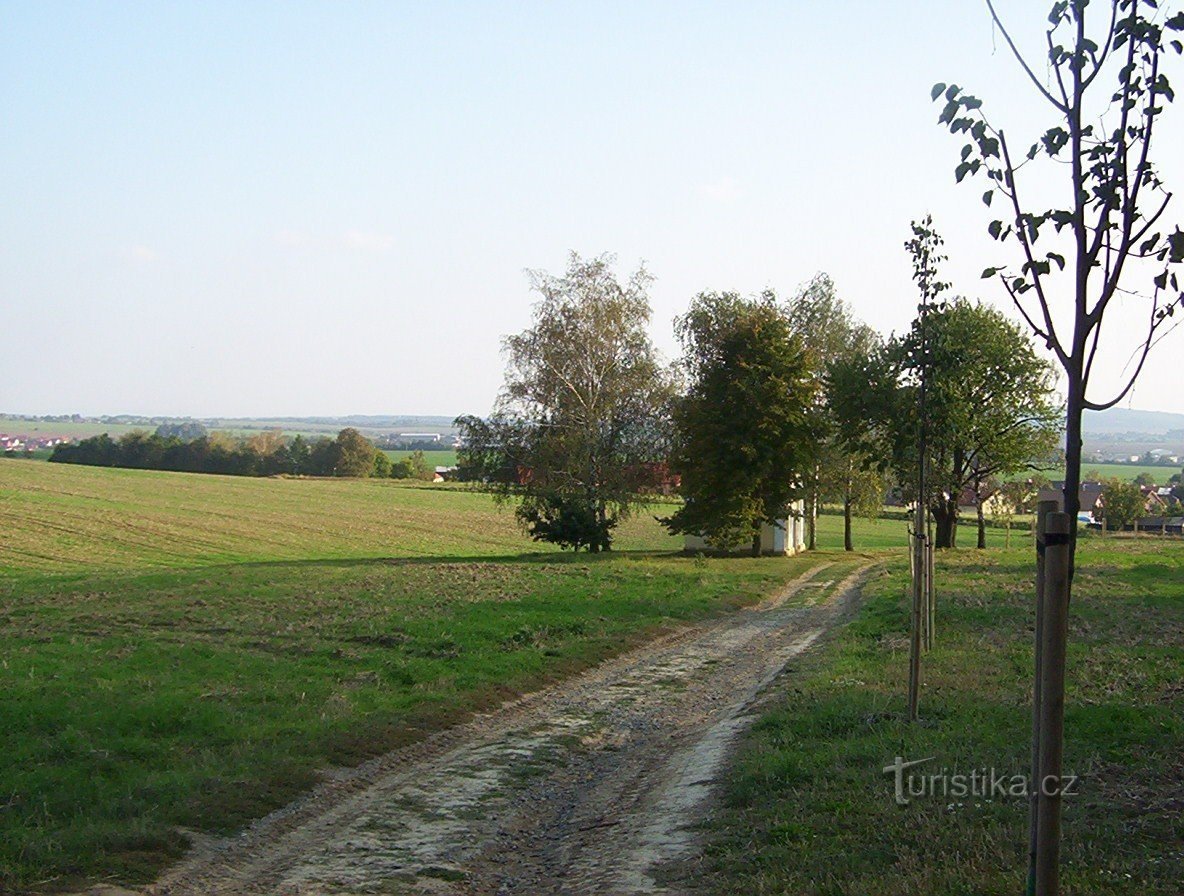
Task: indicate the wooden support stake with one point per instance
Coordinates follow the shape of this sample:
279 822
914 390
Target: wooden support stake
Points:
915 620
930 598
1054 635
1043 509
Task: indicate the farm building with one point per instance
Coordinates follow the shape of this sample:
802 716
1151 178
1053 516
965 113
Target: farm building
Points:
785 537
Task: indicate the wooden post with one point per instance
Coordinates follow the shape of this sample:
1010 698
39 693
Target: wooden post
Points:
931 600
925 616
1054 635
915 616
1043 509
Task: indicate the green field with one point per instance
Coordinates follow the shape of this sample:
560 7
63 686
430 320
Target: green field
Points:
810 810
434 458
188 651
1126 472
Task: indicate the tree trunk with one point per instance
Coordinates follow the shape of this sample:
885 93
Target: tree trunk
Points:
982 526
847 544
756 540
1072 494
945 518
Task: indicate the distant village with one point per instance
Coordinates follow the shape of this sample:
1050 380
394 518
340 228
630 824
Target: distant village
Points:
22 443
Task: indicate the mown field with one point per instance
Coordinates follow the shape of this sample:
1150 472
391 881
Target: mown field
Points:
187 652
810 810
180 651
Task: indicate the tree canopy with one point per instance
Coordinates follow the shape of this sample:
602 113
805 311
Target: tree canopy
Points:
579 428
741 435
990 406
839 469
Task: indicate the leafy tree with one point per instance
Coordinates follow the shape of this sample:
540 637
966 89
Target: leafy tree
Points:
1122 503
853 479
1013 496
837 470
989 411
580 421
354 454
298 455
322 457
742 439
1107 240
186 431
1144 479
413 466
382 465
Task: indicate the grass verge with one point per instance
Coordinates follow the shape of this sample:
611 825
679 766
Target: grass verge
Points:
810 811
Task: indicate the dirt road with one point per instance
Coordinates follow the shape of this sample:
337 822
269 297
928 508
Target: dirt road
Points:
588 787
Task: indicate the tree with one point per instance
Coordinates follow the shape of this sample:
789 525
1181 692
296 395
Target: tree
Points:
1013 496
1106 240
186 431
298 456
853 480
1107 237
837 470
354 454
413 466
741 434
580 421
322 457
989 409
382 465
1122 504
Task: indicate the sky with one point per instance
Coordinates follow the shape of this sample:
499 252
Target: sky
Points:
228 209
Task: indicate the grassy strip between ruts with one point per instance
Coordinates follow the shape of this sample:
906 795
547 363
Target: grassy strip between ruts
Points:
146 687
809 809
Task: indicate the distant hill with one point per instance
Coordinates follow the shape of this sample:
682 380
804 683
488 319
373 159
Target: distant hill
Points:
1124 420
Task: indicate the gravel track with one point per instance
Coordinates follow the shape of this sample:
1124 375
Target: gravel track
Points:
588 787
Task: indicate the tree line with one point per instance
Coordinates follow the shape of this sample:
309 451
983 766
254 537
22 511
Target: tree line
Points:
773 402
349 454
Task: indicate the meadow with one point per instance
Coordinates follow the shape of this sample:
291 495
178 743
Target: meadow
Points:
187 652
811 811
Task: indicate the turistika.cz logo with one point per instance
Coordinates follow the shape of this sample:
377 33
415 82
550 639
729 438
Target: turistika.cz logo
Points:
980 783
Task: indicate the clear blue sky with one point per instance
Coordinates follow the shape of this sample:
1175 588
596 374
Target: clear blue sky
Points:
320 208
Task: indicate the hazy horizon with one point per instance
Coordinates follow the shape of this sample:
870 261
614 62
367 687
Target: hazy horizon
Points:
312 209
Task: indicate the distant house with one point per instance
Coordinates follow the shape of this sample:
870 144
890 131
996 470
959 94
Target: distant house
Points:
444 474
1152 501
1089 496
969 498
